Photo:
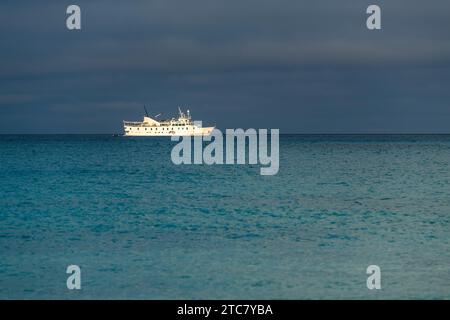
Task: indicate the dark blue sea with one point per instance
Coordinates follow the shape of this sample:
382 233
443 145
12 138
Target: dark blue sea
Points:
141 227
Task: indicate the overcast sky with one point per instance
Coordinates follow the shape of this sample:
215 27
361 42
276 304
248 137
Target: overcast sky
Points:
300 66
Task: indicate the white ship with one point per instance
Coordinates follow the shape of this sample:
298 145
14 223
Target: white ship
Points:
183 126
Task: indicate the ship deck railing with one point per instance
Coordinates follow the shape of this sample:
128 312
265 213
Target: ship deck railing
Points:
142 124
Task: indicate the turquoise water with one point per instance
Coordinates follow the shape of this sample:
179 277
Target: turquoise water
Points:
141 227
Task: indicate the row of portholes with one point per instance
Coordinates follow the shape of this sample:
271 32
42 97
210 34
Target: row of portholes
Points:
151 129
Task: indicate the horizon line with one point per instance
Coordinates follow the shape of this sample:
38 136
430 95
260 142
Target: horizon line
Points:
286 133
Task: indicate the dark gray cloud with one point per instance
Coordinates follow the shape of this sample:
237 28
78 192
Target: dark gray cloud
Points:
300 66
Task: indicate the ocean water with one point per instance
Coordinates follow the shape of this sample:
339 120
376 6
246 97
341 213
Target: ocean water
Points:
141 227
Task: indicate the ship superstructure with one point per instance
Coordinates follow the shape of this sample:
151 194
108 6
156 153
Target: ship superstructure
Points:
182 126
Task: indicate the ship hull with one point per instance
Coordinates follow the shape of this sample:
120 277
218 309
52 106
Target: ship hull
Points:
167 132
